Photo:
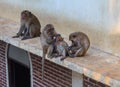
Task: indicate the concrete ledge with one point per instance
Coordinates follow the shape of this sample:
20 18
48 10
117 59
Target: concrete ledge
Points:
98 65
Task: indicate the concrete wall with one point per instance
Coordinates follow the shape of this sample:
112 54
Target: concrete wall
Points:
77 79
99 19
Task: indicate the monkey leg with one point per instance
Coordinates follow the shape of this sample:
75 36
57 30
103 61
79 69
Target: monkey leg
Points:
71 55
26 37
33 31
63 58
26 34
63 55
50 51
19 33
71 51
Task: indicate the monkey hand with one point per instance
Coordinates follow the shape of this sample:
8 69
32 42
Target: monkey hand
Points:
15 36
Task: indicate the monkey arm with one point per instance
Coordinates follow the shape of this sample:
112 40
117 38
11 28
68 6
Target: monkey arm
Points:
75 48
50 41
79 52
22 28
73 51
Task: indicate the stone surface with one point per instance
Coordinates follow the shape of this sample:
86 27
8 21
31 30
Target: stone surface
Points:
97 64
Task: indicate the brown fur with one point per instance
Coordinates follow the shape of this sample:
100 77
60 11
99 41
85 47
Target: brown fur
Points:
80 44
30 26
46 39
61 47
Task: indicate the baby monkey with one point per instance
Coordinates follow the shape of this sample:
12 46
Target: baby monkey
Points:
60 47
30 26
80 44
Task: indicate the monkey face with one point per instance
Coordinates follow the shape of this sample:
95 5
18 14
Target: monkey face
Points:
49 30
73 37
59 38
25 15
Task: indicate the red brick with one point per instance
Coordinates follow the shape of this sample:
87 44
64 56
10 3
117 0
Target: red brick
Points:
3 81
54 75
88 82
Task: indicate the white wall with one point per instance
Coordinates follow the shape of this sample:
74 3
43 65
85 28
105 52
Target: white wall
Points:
77 79
99 19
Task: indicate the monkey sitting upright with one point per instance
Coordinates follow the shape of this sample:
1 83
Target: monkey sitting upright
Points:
61 47
80 44
46 39
30 26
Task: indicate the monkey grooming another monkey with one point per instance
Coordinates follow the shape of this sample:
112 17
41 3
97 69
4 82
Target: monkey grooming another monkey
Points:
30 26
46 39
80 44
61 47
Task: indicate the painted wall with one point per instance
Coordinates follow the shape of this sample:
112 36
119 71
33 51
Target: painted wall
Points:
99 19
77 79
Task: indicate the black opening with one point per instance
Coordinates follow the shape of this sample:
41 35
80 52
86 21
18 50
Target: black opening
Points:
18 67
19 75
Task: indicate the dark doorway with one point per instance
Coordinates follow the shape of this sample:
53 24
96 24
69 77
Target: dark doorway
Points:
19 75
18 67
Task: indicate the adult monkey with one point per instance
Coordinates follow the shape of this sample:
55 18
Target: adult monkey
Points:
47 39
80 44
30 26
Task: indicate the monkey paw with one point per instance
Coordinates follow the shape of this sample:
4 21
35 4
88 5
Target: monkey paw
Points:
24 38
15 36
62 59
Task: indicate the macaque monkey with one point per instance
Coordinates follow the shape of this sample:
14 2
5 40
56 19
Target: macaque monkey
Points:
30 26
46 39
80 44
61 47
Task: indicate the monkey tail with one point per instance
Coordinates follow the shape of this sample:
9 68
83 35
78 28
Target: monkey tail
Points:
43 60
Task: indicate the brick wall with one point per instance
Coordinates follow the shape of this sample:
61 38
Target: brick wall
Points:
88 82
3 81
54 75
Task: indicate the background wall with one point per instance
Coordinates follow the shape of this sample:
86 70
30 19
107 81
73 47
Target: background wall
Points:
99 19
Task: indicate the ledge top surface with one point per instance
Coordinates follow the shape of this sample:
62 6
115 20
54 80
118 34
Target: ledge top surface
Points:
97 64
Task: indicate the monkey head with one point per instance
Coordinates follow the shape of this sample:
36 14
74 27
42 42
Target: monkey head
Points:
49 30
59 38
25 15
73 37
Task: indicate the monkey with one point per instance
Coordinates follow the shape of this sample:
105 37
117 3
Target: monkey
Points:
80 44
46 39
61 47
30 26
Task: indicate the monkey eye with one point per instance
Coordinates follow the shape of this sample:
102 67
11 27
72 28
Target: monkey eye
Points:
51 29
74 36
